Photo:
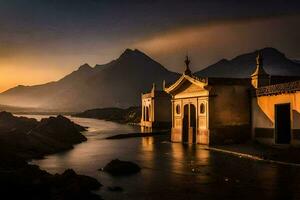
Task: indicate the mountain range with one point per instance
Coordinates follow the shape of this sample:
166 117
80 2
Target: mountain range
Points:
120 82
242 66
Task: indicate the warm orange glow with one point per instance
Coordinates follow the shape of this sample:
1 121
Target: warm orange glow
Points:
267 103
40 68
206 44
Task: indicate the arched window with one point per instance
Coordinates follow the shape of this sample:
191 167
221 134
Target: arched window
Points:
178 109
202 108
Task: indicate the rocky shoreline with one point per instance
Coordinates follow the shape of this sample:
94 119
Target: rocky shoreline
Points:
131 115
134 135
22 139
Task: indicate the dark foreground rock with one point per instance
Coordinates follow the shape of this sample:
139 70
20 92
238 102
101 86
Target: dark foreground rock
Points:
29 182
29 138
118 167
60 129
115 188
10 122
21 139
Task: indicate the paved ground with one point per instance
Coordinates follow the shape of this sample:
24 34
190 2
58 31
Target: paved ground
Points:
262 152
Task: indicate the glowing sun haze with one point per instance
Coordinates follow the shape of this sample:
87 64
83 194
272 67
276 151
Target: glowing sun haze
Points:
46 40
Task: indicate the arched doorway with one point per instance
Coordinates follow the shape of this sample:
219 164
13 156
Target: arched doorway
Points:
144 113
193 123
147 114
185 124
189 123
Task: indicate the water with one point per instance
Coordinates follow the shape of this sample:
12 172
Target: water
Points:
171 170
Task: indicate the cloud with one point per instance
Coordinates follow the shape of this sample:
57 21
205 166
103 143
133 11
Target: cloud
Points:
211 42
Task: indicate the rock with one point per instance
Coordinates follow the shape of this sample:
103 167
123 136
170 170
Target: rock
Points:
70 185
10 160
118 167
85 182
60 129
33 183
21 139
10 122
115 188
32 139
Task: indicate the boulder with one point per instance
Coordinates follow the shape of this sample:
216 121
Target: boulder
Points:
60 129
118 167
10 122
85 182
33 183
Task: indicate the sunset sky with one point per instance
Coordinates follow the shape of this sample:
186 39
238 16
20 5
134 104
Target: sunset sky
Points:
43 40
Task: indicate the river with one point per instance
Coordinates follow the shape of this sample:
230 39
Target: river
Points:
171 170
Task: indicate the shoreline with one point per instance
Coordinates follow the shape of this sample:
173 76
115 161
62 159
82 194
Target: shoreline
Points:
137 135
23 140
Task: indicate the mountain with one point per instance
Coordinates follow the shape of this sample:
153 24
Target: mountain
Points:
118 83
275 63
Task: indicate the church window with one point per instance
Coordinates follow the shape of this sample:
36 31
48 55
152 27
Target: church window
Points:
202 108
177 109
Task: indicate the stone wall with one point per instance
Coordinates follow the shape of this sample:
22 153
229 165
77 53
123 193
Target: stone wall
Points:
229 114
162 109
229 106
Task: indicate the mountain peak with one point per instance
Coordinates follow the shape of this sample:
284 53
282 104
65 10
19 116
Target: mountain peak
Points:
222 61
127 51
270 51
132 53
242 66
84 67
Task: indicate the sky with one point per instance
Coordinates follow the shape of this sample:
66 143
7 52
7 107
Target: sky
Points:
44 40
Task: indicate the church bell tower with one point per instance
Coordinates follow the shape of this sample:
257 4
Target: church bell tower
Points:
260 77
187 66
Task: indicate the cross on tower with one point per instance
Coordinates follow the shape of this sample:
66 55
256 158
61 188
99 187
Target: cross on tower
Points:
187 65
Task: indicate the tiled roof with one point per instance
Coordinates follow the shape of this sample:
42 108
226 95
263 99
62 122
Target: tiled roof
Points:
278 89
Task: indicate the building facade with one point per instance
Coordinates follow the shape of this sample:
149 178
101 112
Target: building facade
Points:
228 110
208 110
275 110
156 109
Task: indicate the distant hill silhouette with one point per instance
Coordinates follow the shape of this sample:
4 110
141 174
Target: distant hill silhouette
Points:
242 66
118 83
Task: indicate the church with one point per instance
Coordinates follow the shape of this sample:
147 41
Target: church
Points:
210 111
156 109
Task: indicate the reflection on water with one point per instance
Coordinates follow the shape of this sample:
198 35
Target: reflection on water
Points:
172 170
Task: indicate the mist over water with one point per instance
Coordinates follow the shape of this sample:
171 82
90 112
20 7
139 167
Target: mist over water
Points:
171 170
